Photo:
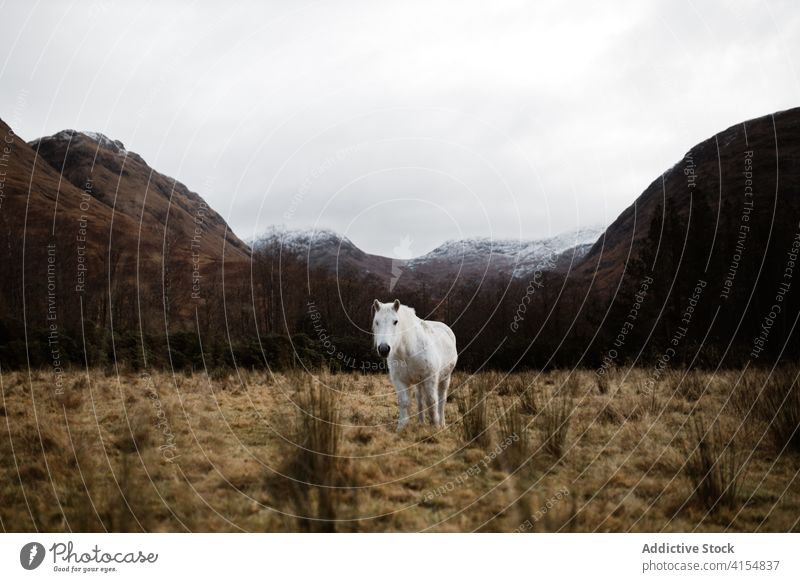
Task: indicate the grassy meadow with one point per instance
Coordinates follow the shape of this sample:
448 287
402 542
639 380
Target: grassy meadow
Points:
525 452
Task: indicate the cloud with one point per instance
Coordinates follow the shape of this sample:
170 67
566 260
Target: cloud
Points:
431 120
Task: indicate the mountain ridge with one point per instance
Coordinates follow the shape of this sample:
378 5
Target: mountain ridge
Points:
125 182
695 226
709 174
482 257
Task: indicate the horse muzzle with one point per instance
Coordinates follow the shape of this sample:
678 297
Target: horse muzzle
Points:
383 350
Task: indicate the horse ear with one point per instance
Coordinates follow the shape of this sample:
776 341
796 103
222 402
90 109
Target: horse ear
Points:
376 305
397 305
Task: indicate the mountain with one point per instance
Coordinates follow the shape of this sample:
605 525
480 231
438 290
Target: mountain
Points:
709 184
91 236
505 257
481 258
322 249
705 259
100 250
122 180
45 215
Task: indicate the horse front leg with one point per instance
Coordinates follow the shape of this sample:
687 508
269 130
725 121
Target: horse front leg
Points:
420 405
432 398
402 402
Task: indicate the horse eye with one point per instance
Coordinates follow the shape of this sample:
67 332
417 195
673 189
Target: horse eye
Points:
395 322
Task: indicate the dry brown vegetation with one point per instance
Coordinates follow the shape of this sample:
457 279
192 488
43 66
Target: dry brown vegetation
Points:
554 451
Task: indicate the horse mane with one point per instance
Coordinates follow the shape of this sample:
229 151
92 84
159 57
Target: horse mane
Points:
406 309
408 321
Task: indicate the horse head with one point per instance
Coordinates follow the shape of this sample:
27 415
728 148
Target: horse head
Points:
385 329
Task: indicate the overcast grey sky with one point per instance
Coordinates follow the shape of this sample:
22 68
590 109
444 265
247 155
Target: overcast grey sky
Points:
381 120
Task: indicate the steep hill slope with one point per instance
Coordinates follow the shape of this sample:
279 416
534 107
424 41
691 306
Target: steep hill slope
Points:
123 181
90 237
761 154
715 241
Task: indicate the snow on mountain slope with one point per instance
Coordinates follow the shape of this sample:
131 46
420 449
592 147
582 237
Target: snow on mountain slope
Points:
517 256
322 249
300 241
474 257
71 135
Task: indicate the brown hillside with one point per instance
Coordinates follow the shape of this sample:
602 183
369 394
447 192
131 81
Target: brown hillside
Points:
711 172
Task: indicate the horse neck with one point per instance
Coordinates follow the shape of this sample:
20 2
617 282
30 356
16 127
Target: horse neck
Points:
409 326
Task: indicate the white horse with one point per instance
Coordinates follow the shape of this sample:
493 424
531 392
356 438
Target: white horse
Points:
418 353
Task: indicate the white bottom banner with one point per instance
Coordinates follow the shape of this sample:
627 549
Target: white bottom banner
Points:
354 557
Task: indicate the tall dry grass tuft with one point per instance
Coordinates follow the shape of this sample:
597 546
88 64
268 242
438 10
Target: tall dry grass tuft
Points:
316 468
369 384
472 408
551 511
554 421
689 385
78 473
72 395
603 384
120 501
514 435
775 400
649 399
715 465
570 385
135 430
526 394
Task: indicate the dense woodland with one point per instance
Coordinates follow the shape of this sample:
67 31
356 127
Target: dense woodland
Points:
277 313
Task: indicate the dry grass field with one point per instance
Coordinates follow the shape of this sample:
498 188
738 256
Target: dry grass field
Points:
246 451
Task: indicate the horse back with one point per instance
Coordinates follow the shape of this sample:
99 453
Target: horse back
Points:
444 336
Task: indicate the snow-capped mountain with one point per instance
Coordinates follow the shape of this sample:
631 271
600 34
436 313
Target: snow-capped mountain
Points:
321 248
516 256
475 257
76 137
301 240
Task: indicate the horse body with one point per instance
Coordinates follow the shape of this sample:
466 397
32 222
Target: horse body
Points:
419 354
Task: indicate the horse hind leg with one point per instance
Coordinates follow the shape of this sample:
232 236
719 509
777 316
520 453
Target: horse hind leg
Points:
444 386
